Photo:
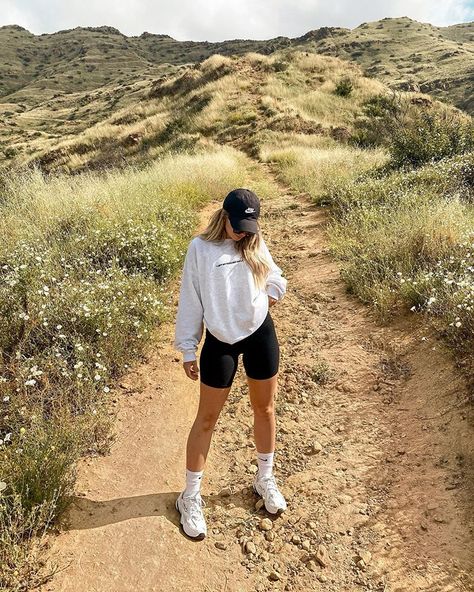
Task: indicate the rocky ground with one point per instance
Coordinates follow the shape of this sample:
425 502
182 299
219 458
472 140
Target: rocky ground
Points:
374 445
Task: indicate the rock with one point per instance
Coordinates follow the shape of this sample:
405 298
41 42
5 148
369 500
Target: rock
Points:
296 539
225 492
322 578
270 536
322 556
252 469
266 524
312 525
312 565
250 547
306 545
364 556
259 504
315 448
274 576
220 545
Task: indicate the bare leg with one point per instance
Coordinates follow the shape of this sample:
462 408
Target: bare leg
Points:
211 401
262 398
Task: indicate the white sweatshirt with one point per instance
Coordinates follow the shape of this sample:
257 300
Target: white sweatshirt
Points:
218 288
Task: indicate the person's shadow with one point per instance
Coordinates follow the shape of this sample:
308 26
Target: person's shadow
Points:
83 513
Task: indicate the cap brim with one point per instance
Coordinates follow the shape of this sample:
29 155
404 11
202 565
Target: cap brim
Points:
244 224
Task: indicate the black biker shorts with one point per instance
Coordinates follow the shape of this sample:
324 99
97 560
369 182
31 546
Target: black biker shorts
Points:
218 361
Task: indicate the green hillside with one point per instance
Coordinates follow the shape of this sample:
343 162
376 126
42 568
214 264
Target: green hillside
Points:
401 51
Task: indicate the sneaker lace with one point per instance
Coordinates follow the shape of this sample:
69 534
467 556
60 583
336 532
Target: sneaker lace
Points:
193 505
271 487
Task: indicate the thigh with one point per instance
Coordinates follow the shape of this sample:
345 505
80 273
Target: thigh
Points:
261 352
218 363
211 401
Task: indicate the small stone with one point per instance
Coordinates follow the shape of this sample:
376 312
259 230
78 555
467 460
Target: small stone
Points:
316 448
252 469
306 545
250 547
312 565
225 492
312 525
266 524
259 504
270 536
322 556
322 578
274 576
364 556
220 545
296 539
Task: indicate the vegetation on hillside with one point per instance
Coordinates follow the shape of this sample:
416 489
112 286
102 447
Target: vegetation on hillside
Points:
85 269
402 210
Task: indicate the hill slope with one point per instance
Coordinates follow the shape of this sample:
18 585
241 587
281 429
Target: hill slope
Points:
401 51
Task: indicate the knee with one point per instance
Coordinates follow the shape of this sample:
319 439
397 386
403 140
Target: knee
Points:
207 422
264 411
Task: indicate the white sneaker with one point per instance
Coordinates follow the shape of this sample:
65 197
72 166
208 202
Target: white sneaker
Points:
192 518
267 489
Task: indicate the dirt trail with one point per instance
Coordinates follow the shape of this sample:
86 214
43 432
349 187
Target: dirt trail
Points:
373 456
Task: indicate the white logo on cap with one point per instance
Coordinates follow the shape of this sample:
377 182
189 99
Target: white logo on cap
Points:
249 210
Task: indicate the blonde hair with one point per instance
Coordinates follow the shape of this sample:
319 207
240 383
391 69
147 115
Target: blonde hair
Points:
248 246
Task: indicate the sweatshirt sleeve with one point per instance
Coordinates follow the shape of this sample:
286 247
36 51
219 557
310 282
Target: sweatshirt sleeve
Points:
276 283
189 317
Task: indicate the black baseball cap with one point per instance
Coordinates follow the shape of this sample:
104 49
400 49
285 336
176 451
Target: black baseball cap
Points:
243 209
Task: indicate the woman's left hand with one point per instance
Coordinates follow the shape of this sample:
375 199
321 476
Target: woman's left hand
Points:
271 301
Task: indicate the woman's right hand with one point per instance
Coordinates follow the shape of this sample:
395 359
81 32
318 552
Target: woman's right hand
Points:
191 369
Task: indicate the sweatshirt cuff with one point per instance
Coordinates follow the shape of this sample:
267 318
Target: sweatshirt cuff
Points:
273 292
189 355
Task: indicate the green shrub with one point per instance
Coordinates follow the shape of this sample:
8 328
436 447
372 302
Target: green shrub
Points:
344 87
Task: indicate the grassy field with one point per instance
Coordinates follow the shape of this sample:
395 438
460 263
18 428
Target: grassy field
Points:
402 216
85 266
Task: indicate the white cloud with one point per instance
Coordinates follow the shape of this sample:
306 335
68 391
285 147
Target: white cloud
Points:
216 20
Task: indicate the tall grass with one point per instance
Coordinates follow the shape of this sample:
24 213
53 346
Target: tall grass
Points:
85 264
405 238
320 171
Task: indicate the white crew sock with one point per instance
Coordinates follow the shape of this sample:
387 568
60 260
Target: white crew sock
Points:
193 482
265 464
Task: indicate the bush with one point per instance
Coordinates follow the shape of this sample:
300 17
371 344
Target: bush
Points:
344 87
430 136
415 131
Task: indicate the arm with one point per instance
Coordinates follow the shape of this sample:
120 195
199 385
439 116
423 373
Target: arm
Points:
276 283
189 318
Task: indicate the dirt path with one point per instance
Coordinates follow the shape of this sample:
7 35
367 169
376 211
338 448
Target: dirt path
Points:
373 456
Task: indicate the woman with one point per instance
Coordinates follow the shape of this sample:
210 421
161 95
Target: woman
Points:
229 282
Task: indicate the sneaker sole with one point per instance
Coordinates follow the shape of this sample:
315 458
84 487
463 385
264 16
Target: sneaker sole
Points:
279 512
199 537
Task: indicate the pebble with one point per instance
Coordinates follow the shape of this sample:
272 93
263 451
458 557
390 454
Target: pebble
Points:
270 535
363 558
252 469
274 576
322 578
266 524
259 504
322 556
311 565
250 547
306 545
316 448
220 545
296 539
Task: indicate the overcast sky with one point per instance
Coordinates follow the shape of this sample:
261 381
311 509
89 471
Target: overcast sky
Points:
216 20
